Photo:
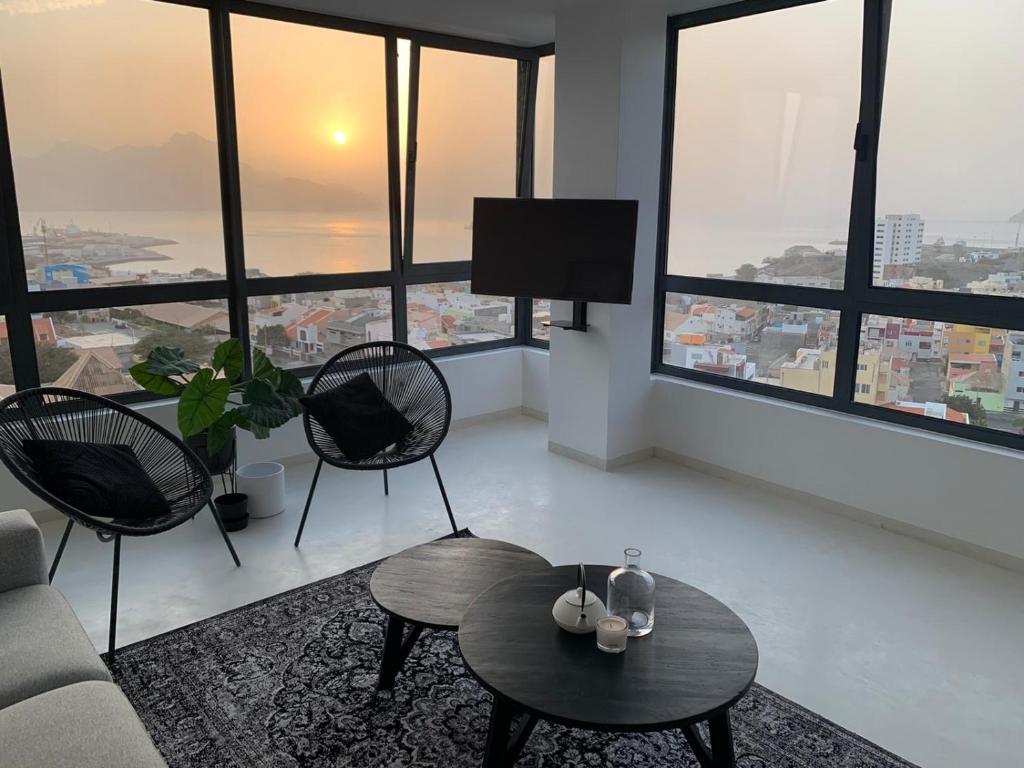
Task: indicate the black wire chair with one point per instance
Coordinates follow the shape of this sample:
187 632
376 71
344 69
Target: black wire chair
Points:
412 383
54 413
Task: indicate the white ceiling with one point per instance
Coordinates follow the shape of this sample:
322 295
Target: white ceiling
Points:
519 22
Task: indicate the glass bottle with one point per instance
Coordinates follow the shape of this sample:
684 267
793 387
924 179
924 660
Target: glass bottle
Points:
631 595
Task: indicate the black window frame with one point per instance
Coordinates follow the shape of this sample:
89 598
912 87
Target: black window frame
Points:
859 297
18 304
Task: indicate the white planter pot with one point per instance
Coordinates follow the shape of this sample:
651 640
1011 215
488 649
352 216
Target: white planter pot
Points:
263 483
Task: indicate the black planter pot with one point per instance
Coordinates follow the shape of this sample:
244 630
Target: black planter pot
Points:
220 462
232 508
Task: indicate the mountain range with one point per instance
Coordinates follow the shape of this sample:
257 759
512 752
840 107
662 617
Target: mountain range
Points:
181 175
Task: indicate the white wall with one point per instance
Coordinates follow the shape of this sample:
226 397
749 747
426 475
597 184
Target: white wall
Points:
481 383
956 488
536 369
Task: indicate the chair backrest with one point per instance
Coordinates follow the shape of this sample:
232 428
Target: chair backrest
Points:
55 413
409 379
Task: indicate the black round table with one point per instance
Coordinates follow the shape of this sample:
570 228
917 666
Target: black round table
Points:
696 664
431 585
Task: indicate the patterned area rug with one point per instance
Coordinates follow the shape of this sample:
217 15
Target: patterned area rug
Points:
291 681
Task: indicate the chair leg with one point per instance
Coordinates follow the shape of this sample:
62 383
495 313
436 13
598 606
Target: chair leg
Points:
224 533
309 500
112 636
385 482
60 549
437 474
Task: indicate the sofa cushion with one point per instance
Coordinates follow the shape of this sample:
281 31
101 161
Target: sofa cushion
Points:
22 558
42 645
85 725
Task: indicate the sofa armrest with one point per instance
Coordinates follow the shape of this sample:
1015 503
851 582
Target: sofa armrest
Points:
22 555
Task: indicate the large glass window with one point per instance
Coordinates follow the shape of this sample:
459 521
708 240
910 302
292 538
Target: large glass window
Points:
544 126
465 147
962 373
92 349
949 205
447 315
128 119
312 143
779 148
301 329
113 136
762 165
776 344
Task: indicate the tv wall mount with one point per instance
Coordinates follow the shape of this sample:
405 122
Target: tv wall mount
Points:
579 319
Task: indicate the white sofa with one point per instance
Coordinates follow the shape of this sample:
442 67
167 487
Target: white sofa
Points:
58 705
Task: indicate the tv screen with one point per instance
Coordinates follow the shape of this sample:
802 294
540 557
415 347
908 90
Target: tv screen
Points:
577 250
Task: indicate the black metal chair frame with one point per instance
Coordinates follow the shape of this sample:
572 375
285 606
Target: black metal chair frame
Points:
66 414
431 418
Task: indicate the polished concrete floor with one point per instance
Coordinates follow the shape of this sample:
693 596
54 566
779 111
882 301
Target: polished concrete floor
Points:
918 649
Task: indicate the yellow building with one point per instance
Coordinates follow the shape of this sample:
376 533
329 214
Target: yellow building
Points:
813 370
881 378
967 339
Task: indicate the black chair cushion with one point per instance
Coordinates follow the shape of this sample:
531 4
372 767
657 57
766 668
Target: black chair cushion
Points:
358 417
100 480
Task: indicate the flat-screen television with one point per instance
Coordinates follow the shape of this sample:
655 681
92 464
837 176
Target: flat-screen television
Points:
575 250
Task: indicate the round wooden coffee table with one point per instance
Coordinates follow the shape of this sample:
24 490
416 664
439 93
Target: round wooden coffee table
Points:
431 585
696 664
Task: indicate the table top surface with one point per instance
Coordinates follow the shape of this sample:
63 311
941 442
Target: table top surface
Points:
433 584
699 660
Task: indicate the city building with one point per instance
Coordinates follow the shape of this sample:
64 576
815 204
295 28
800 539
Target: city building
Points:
1013 363
898 241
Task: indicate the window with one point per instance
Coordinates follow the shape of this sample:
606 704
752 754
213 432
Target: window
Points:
797 189
114 145
189 186
301 329
314 185
948 204
539 330
544 126
92 349
772 344
442 315
763 160
465 147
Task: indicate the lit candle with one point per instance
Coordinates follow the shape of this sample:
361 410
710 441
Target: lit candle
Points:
611 634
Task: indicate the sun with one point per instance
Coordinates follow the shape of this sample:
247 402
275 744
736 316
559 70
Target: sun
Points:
340 137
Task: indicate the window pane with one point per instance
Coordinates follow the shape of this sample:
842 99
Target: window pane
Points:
949 196
466 147
299 329
114 141
544 130
963 373
541 315
312 142
448 315
762 159
6 366
93 349
778 344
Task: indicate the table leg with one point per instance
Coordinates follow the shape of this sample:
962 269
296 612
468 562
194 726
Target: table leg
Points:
397 645
503 743
723 754
720 754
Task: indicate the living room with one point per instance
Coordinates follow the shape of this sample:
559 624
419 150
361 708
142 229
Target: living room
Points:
750 502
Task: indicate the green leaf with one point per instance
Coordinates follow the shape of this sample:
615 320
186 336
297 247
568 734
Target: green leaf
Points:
151 382
290 385
169 361
227 357
262 367
264 407
202 402
217 434
260 433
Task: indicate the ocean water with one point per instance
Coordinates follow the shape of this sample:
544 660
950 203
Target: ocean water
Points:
279 243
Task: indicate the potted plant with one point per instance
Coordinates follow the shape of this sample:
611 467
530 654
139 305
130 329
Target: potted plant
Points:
213 400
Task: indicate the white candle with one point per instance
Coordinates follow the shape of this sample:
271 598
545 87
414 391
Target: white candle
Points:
611 634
